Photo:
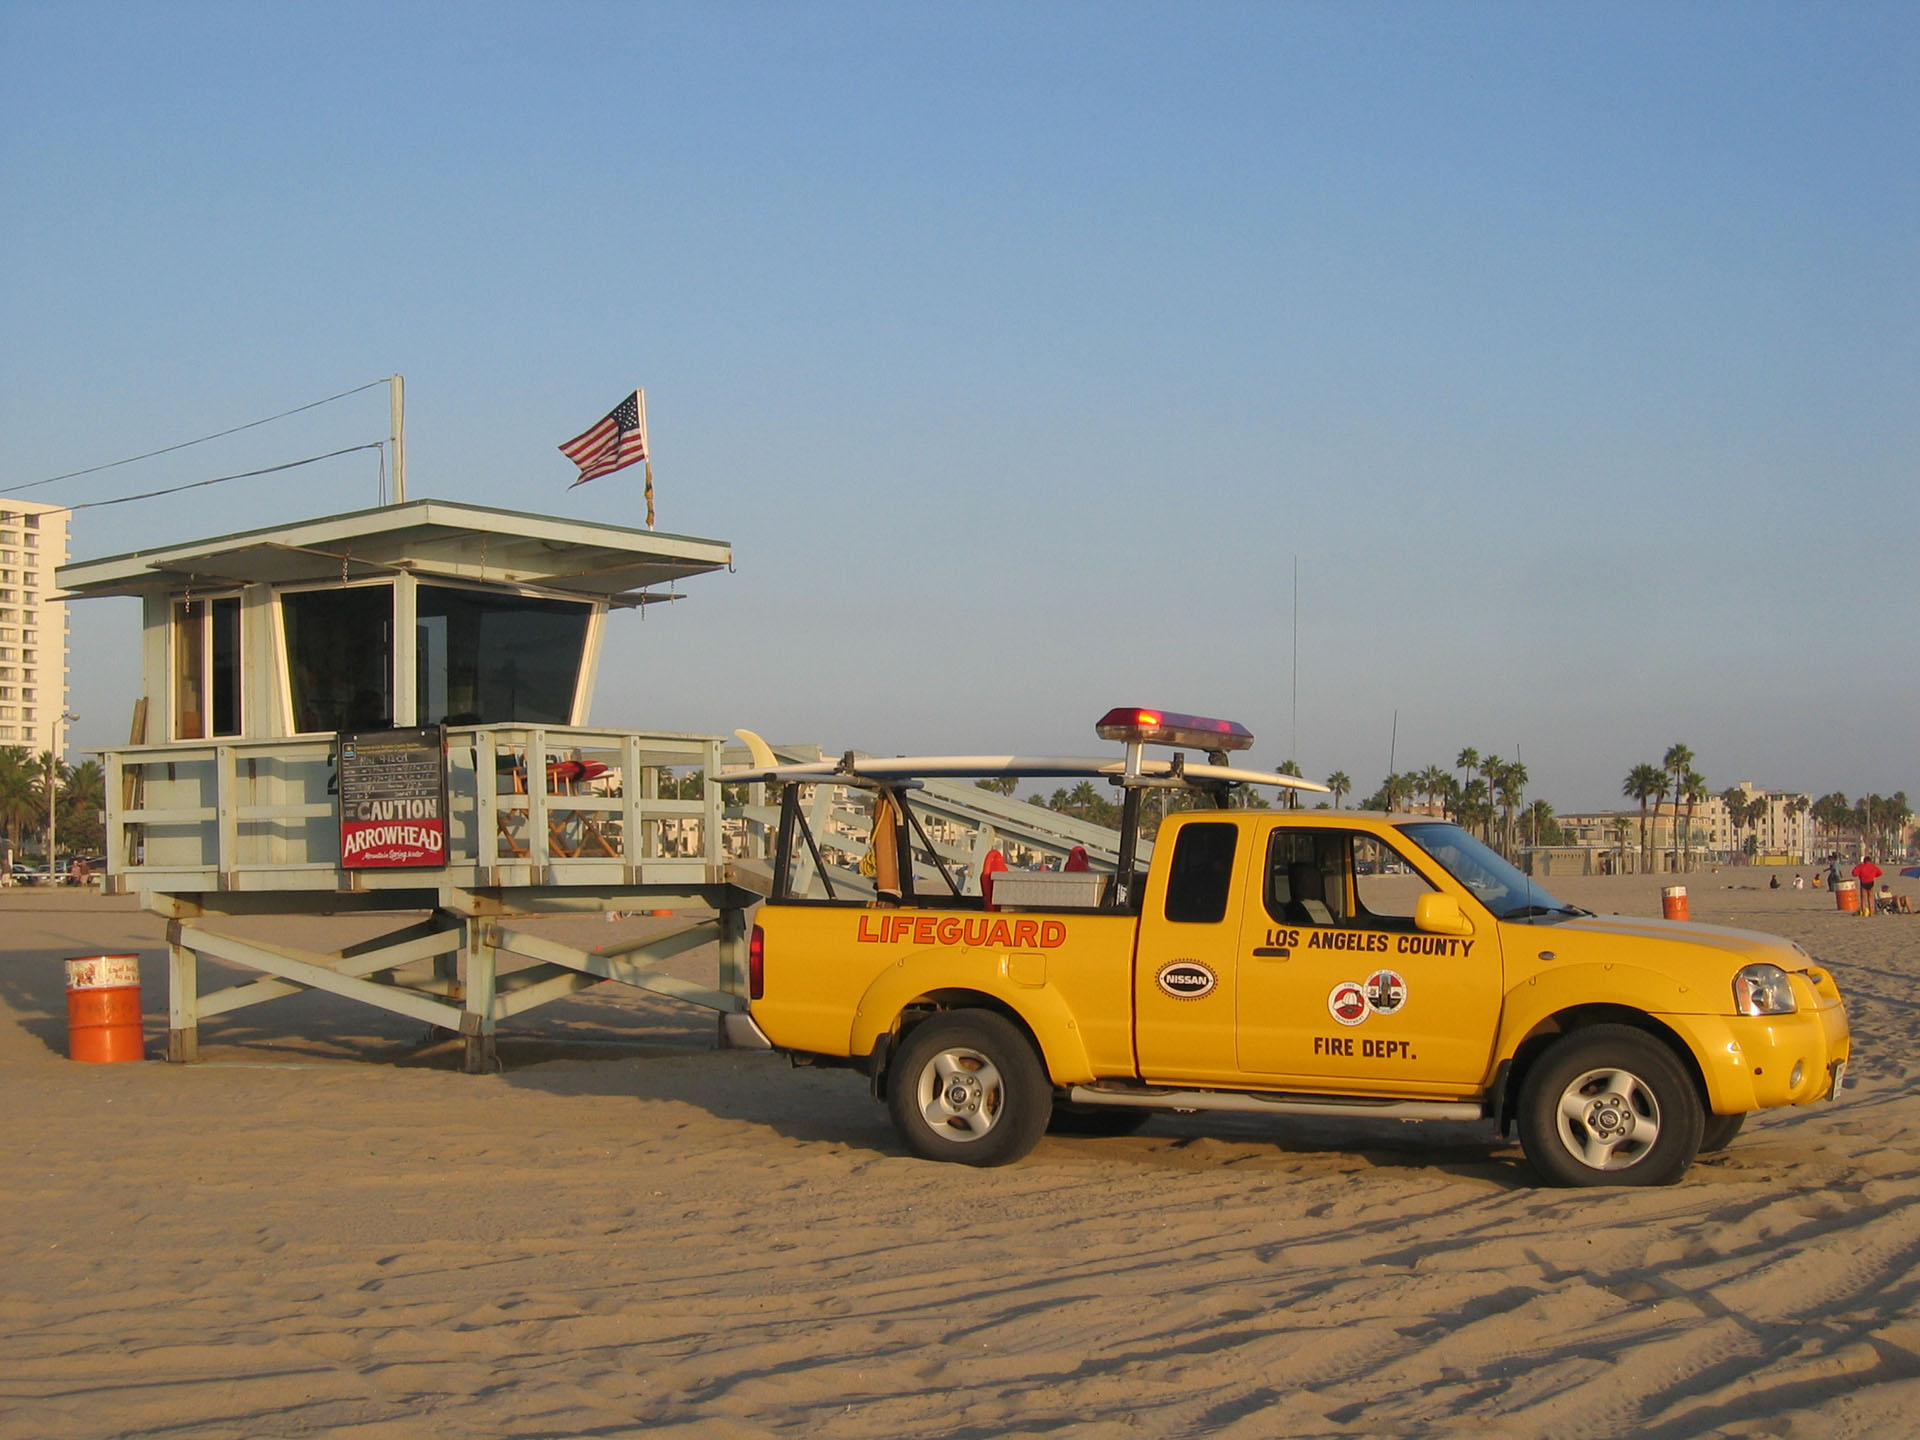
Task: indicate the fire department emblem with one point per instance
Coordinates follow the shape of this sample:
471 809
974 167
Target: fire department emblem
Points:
1386 991
1348 1003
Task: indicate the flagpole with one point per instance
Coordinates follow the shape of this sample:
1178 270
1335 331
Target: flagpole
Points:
397 407
646 442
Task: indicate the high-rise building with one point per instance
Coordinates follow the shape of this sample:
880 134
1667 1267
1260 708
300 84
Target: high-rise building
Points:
33 625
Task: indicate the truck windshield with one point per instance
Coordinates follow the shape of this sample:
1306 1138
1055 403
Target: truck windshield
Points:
1504 890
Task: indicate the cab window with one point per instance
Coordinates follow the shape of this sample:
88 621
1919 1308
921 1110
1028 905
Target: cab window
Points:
1339 877
1202 873
1386 888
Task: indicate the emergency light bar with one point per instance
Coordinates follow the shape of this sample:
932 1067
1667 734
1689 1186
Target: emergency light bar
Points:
1162 727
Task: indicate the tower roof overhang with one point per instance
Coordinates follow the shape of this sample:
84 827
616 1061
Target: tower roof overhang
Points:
476 544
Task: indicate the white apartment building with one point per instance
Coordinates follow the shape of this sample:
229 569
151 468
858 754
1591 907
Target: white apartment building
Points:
1782 834
33 626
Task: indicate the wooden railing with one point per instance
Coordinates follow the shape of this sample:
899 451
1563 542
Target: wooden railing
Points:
527 805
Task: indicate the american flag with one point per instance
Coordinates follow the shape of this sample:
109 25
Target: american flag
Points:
613 443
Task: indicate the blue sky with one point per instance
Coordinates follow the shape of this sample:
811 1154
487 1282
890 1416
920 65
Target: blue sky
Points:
1020 350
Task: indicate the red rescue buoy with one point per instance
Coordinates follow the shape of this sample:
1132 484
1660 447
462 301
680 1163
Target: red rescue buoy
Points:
993 865
1673 903
103 1009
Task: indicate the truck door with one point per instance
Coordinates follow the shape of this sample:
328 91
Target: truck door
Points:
1337 988
1185 959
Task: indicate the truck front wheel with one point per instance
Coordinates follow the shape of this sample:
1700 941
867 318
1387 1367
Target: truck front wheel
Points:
1609 1105
1719 1131
967 1086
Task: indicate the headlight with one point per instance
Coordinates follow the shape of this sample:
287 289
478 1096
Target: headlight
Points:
1763 990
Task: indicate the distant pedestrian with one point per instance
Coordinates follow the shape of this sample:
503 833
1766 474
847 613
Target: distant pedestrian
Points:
1773 882
1868 874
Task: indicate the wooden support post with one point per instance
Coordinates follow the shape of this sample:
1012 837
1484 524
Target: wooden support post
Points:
226 825
631 774
477 1010
183 999
538 855
486 807
446 970
446 967
650 836
713 844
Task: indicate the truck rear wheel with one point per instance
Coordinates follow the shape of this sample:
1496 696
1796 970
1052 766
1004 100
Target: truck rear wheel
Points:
1609 1105
967 1086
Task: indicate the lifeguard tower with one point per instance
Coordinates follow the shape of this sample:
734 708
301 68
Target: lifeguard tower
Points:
386 711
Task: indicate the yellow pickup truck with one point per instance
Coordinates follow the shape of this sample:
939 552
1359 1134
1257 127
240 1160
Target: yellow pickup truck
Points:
1266 961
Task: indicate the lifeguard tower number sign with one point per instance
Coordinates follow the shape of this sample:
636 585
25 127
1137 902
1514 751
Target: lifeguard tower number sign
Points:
393 799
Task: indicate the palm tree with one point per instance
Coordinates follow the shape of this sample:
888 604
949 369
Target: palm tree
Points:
1290 798
1831 813
1473 806
1693 789
83 795
1895 818
1492 770
1643 782
1467 760
1491 767
1340 783
21 802
1513 787
1796 807
1399 787
53 778
1678 760
1662 783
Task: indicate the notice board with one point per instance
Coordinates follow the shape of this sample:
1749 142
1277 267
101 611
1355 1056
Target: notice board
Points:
393 799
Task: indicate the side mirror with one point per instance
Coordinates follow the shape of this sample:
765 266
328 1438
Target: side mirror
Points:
1439 914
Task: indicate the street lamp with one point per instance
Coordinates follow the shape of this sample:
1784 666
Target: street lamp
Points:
53 775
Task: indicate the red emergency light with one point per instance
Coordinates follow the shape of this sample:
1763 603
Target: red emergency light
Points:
1136 726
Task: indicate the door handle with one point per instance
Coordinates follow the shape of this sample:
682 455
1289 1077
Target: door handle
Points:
1272 952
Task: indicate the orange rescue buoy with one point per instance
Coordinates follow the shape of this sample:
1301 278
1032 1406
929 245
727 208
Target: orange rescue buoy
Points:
1673 903
103 1009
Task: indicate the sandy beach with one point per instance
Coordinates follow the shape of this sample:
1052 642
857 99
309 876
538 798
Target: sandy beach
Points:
324 1229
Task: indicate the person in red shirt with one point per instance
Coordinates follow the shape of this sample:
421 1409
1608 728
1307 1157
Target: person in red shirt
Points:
1868 874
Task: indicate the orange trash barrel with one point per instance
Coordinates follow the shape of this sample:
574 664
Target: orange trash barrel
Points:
103 1009
1846 895
1673 903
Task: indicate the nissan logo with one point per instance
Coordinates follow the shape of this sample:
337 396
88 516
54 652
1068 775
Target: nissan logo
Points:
1185 979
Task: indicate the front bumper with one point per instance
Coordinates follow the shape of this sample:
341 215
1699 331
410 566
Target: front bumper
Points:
1762 1062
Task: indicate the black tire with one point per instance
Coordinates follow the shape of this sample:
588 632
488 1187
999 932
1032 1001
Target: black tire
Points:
1718 1132
968 1087
1609 1105
1103 1120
